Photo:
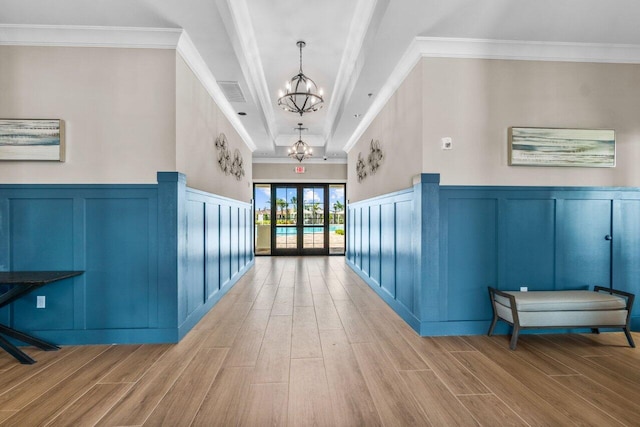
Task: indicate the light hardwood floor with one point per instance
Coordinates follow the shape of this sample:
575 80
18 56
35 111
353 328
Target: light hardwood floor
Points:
304 341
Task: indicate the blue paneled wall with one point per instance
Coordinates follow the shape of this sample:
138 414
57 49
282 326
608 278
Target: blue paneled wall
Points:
153 256
431 251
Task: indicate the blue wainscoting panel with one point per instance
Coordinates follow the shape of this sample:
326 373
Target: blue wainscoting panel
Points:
388 248
583 255
357 244
471 257
440 247
117 269
351 236
529 244
235 232
194 290
209 236
374 244
364 240
213 249
41 237
405 257
225 245
626 243
151 256
380 239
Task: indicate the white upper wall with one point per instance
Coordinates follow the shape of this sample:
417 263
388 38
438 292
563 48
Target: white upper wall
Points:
398 128
128 113
475 101
118 106
313 172
199 122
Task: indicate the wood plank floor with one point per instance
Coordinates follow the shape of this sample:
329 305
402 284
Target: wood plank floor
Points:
304 341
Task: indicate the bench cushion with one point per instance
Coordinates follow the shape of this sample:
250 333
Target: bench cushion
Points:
536 301
583 318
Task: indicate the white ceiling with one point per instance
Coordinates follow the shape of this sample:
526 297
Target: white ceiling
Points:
353 46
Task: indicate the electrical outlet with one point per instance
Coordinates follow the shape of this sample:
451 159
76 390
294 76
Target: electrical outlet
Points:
524 289
41 301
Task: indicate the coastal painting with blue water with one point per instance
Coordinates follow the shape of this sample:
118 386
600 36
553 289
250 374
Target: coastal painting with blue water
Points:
31 140
562 147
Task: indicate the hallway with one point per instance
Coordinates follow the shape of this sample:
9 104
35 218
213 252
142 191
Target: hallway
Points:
304 341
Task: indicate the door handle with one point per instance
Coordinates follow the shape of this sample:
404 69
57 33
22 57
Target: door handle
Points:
608 237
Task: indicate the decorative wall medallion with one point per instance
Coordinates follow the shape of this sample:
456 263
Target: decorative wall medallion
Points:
375 156
221 142
224 160
373 163
233 167
361 168
224 156
237 166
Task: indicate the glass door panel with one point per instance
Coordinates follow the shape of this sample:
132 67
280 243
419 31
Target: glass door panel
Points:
262 220
313 227
336 219
286 207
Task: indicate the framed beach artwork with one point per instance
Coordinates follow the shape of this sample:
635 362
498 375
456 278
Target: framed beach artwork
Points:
562 147
31 139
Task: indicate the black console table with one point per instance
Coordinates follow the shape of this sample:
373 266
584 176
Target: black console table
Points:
20 283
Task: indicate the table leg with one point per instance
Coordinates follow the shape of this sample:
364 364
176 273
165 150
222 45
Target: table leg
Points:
15 352
43 345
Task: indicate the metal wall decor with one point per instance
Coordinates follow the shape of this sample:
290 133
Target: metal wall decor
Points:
237 166
373 163
361 168
375 156
234 167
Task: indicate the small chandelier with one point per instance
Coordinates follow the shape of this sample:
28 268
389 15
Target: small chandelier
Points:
301 94
300 150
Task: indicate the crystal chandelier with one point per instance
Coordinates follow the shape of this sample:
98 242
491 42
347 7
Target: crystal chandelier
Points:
301 94
300 150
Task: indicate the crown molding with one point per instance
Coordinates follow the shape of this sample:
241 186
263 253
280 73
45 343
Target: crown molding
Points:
437 47
192 57
127 37
350 63
408 60
89 36
528 50
244 41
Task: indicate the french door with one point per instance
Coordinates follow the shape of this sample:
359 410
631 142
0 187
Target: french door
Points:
300 220
303 219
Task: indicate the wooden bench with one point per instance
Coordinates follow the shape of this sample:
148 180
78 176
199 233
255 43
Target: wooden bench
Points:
602 308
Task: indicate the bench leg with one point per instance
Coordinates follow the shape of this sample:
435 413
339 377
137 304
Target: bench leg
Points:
629 337
493 325
514 337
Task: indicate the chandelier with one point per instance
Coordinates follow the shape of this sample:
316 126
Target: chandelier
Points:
301 94
300 150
